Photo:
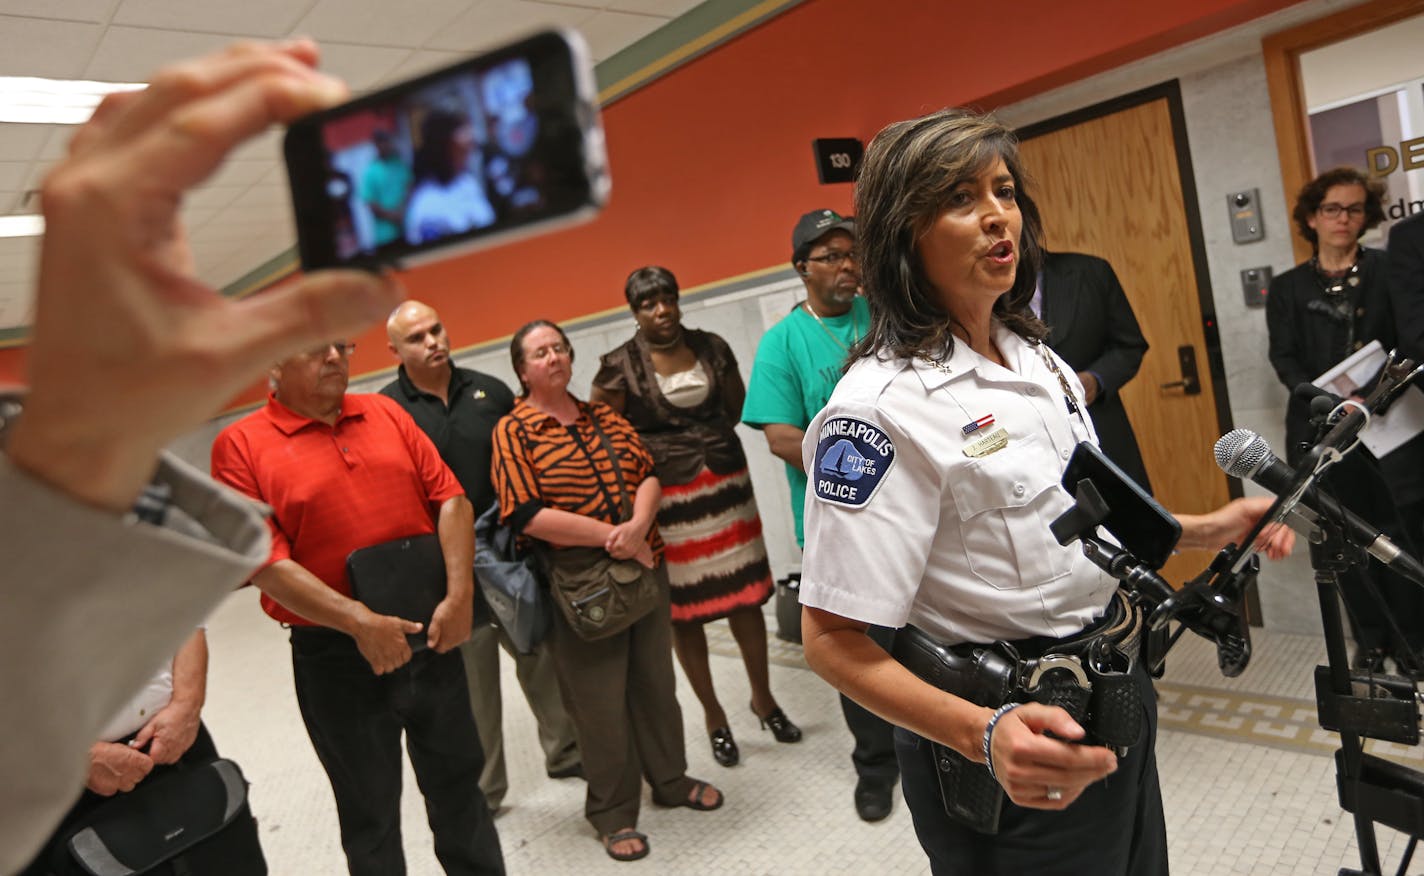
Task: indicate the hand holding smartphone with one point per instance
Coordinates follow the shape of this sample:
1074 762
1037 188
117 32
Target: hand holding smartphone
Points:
505 144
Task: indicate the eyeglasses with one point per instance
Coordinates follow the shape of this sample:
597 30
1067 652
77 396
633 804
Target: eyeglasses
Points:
1333 210
834 259
548 350
343 349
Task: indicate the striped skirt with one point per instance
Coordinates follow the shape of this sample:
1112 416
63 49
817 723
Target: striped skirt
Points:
715 555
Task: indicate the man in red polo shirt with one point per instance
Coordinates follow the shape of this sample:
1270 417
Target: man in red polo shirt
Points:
343 472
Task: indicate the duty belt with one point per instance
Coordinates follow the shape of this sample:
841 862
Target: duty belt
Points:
1088 674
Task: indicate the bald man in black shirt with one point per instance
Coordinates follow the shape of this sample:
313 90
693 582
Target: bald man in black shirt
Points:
457 408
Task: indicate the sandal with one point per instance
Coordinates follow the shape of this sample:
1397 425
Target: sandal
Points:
623 836
694 799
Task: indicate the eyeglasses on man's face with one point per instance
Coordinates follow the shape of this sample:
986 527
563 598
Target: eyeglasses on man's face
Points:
835 258
342 348
1332 210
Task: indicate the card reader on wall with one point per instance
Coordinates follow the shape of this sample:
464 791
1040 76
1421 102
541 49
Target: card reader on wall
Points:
1255 282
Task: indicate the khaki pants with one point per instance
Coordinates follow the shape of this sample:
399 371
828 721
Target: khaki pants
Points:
621 693
541 689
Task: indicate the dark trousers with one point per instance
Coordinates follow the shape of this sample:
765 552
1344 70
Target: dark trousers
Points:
874 752
355 719
55 858
1115 828
1373 594
621 694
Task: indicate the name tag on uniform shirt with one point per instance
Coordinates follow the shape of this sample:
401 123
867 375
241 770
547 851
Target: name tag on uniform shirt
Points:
852 459
992 443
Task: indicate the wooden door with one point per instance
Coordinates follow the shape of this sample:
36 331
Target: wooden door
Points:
1111 185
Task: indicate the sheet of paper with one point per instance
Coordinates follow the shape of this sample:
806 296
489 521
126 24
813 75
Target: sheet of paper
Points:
1405 419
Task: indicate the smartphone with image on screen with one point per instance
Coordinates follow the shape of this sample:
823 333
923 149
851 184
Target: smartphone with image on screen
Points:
502 145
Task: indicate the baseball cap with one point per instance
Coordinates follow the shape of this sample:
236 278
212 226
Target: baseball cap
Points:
815 225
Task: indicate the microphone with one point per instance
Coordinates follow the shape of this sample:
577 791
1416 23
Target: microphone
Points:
1242 453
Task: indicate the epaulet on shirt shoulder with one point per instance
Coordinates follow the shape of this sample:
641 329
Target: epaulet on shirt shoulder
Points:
867 381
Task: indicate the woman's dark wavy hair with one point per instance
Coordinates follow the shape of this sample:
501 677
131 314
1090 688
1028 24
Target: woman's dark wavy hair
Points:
516 347
906 178
1312 195
646 282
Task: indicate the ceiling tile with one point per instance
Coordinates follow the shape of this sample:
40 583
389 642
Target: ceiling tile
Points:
251 18
38 47
67 10
36 177
57 146
265 151
420 62
18 257
238 173
21 142
269 214
213 197
12 175
664 8
132 54
492 22
608 33
360 66
195 216
380 22
265 195
16 304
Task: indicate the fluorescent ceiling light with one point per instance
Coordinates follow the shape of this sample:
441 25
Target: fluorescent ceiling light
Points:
29 99
21 226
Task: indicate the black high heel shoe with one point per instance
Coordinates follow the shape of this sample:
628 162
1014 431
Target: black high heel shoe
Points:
724 747
780 726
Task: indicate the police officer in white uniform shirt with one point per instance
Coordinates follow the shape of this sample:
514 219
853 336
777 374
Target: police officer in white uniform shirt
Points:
934 476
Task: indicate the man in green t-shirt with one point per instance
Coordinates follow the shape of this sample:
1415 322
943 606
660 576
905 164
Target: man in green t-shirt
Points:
385 185
797 365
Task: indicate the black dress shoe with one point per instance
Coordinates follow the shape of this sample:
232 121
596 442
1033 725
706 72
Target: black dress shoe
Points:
780 726
872 800
724 747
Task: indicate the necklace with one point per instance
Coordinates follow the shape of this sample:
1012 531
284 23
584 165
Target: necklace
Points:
1333 283
666 345
854 327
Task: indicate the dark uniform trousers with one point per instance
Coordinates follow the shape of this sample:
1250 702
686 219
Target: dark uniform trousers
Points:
355 719
874 752
621 694
1115 828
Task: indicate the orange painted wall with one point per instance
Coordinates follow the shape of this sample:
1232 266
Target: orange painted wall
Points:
712 163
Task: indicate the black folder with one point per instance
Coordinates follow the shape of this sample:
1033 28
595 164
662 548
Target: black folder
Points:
404 577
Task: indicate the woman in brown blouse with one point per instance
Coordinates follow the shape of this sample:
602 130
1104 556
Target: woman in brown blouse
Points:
553 476
680 388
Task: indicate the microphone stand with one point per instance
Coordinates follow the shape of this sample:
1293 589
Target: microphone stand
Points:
1372 789
1209 605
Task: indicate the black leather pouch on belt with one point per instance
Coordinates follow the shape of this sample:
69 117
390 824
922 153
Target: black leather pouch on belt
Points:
985 677
1097 689
1115 710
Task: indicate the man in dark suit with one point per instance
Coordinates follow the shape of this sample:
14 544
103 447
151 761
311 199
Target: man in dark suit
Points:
1406 284
1093 328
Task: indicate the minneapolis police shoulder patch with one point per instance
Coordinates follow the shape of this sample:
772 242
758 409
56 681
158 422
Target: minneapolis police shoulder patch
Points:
852 458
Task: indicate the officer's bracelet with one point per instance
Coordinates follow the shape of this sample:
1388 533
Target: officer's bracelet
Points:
989 735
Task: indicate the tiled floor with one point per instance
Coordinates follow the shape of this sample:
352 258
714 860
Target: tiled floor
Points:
1247 774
